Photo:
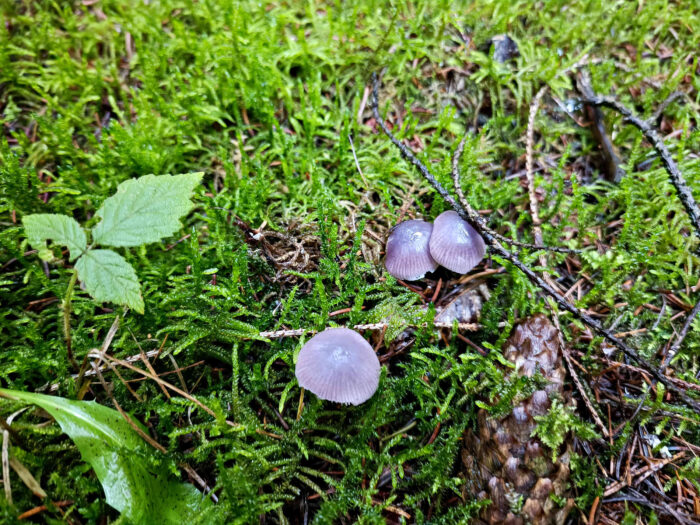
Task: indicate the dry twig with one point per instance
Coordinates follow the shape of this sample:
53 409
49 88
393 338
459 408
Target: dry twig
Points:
662 107
109 360
148 439
357 162
567 357
529 173
681 336
6 456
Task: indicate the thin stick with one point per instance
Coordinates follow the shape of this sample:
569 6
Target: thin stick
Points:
148 364
109 359
684 193
529 174
456 175
681 336
278 334
670 354
148 439
616 364
7 428
178 372
529 162
82 388
479 224
41 508
577 381
6 466
662 107
5 454
357 162
66 306
643 473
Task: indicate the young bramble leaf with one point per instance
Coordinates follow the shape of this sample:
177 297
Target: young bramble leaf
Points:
45 254
108 277
61 229
111 446
145 209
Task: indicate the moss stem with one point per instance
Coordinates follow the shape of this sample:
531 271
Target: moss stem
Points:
66 306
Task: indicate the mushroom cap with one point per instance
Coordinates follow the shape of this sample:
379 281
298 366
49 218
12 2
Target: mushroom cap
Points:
407 252
455 244
338 365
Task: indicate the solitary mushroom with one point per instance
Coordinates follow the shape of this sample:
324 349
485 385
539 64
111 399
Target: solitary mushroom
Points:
407 253
338 365
455 244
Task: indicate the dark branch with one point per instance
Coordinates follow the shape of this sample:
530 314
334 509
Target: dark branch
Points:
664 105
681 336
684 193
613 171
480 225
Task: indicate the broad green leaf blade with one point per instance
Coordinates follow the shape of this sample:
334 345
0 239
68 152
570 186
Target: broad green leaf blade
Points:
115 451
108 277
61 229
145 209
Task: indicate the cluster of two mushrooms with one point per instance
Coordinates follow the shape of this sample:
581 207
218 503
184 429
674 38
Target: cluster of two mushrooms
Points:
338 364
417 247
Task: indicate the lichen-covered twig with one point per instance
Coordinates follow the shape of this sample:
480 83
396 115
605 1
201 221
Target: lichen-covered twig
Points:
530 175
529 164
497 248
273 334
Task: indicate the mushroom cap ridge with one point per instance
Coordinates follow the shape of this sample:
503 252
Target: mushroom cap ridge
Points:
455 244
407 252
338 365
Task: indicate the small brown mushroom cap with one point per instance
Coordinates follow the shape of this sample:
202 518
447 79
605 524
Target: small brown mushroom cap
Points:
455 244
338 365
407 252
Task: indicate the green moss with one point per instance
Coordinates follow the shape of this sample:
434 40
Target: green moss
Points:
262 98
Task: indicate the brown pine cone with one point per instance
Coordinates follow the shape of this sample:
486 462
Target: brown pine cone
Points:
502 461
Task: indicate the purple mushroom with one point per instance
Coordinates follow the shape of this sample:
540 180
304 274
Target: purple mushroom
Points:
455 244
338 365
407 253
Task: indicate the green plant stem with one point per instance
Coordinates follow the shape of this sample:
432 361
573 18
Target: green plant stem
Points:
66 318
301 404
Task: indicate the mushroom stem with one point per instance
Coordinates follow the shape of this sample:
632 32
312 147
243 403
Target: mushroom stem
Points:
301 404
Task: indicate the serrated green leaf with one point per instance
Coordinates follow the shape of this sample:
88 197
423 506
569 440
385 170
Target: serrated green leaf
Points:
108 277
145 209
115 451
61 229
